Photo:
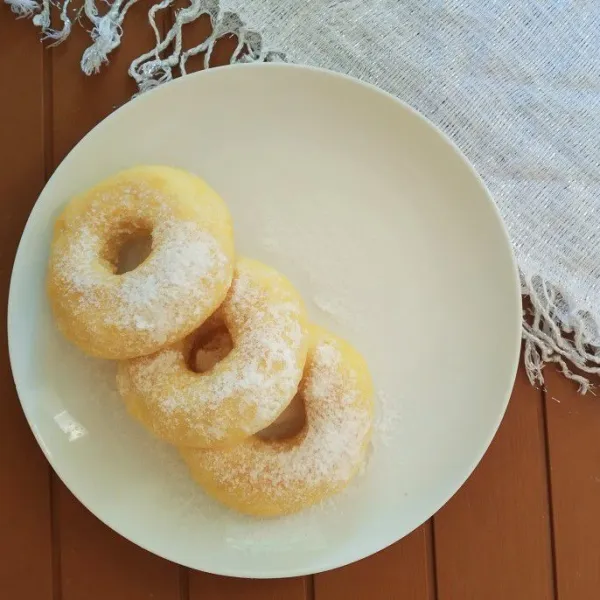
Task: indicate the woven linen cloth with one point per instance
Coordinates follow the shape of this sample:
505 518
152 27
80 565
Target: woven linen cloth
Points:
515 84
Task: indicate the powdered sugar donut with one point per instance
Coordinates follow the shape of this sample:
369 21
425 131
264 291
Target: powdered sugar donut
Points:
247 389
277 477
182 281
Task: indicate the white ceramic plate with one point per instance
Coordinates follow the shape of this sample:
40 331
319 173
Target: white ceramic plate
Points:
393 241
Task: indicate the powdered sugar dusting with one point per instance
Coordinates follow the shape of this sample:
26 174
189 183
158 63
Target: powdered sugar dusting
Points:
328 453
171 290
162 296
248 388
272 335
388 419
334 307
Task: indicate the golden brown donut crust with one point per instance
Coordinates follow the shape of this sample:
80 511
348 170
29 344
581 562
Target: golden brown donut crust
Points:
178 286
247 389
270 478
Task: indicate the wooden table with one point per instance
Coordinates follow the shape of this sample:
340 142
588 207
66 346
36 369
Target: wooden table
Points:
525 526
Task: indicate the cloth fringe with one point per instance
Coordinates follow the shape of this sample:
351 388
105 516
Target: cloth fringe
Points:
156 66
169 53
23 8
553 331
106 33
556 332
40 13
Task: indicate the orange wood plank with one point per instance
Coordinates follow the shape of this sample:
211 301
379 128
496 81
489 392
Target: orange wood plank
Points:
203 586
25 523
493 538
81 101
573 423
96 563
404 570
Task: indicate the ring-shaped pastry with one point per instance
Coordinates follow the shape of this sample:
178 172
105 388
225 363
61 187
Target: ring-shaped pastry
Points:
247 389
278 477
177 287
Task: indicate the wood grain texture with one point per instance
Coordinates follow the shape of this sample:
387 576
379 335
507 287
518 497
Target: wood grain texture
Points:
493 538
573 423
25 523
96 563
212 587
82 101
404 570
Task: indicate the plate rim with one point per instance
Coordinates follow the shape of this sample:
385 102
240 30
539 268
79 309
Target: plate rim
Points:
364 551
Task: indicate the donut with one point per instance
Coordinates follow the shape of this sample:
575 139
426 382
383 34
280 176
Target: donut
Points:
249 386
184 278
267 477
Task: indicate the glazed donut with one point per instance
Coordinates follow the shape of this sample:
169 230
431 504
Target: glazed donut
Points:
250 386
181 282
265 477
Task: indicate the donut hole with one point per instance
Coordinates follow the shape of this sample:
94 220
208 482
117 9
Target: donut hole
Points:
131 251
209 348
290 423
